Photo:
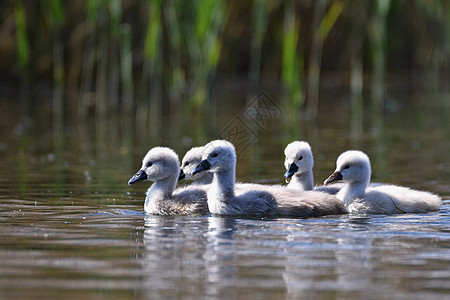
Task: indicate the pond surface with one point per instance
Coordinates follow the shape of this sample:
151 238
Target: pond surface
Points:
71 227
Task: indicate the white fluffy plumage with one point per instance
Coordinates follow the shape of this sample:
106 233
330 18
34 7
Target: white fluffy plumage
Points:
263 200
299 163
161 165
353 168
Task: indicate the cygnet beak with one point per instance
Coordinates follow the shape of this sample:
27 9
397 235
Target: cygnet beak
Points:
291 171
202 166
333 177
181 176
139 176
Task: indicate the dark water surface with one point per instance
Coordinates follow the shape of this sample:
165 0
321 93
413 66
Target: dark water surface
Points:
70 227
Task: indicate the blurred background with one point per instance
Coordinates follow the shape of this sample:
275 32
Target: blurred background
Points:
166 56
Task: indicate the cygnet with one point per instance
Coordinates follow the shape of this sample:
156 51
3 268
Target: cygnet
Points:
219 157
190 160
161 165
353 168
299 164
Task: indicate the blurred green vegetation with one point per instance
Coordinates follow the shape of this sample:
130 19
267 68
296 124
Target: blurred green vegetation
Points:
159 56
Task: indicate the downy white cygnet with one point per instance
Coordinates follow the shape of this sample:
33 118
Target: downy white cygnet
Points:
353 168
260 200
161 165
299 164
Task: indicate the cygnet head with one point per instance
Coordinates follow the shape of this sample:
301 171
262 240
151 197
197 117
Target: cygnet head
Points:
218 156
299 159
351 166
158 164
190 160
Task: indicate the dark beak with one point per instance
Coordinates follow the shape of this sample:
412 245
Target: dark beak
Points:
139 176
333 177
181 176
292 169
202 166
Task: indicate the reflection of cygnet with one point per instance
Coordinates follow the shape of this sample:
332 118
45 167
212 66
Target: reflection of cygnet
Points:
353 168
161 165
299 164
190 160
220 158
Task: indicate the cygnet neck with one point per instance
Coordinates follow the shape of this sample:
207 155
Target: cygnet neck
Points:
352 191
161 189
205 179
304 180
223 183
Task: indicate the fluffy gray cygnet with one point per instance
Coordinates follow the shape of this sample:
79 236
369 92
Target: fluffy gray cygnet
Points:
353 168
161 165
299 164
219 157
190 160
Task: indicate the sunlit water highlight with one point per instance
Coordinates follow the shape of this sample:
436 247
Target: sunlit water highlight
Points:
70 227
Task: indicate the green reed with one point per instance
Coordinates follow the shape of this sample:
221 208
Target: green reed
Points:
292 65
204 45
53 13
159 56
259 23
324 20
23 47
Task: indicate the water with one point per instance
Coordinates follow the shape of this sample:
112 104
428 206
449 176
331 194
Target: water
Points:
70 227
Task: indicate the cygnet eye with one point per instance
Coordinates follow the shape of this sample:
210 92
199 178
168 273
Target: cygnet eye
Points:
346 167
186 164
300 158
149 164
214 154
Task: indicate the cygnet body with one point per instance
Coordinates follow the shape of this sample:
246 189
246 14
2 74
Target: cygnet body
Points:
190 160
353 168
220 158
161 165
299 164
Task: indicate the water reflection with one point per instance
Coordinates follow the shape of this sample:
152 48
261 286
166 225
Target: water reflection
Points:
172 263
219 257
69 222
184 253
354 257
299 275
